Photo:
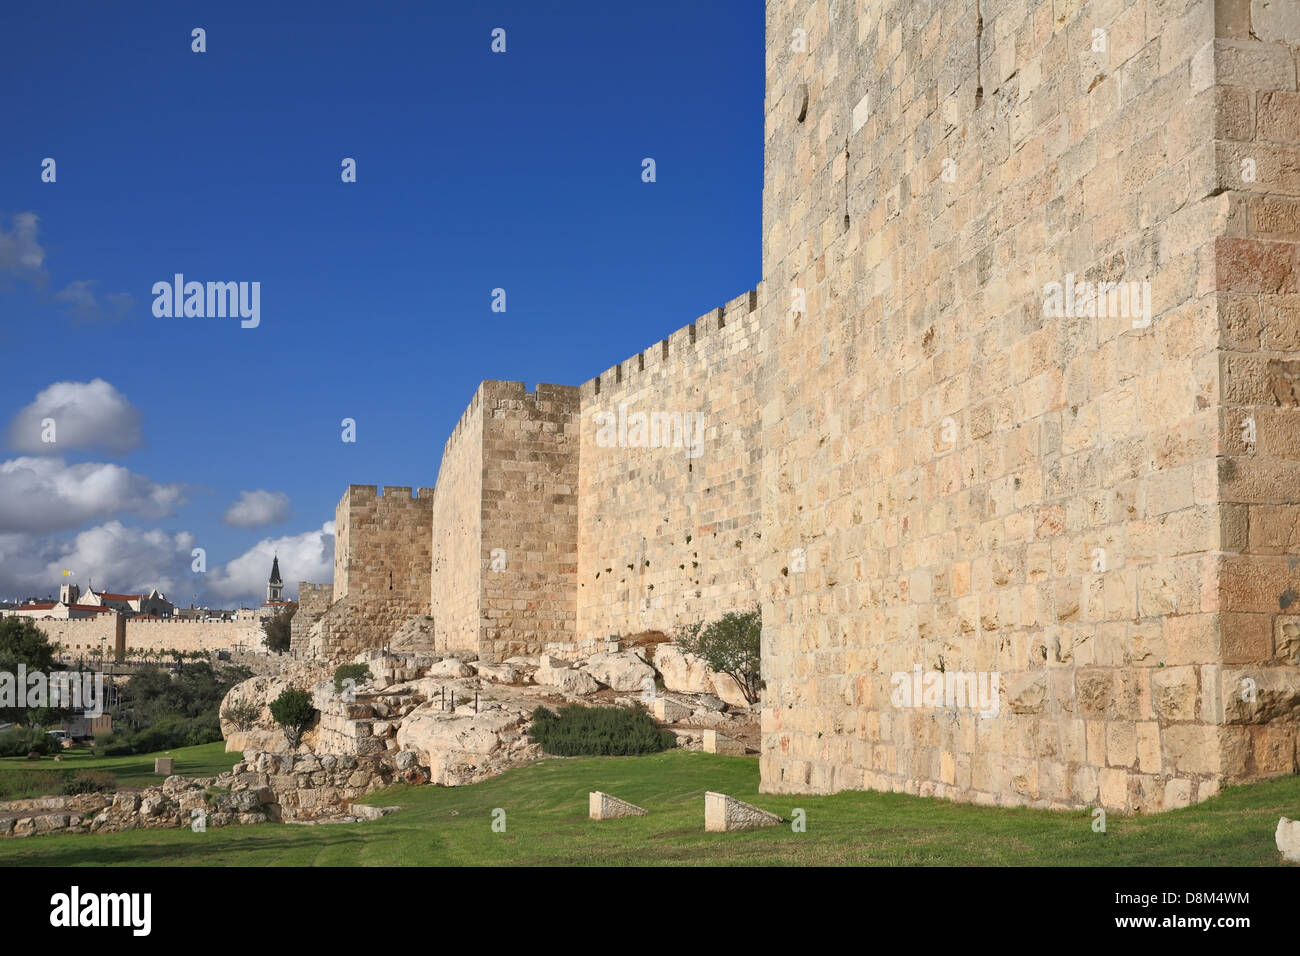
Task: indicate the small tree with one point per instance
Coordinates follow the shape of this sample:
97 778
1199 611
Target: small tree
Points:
730 645
357 673
277 628
293 711
242 714
24 644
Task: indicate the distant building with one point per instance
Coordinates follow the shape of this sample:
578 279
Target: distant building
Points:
155 602
56 611
274 586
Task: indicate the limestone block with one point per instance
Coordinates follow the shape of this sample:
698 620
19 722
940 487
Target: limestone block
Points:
716 743
669 711
366 812
164 766
451 667
622 671
566 679
601 806
1288 839
682 672
723 813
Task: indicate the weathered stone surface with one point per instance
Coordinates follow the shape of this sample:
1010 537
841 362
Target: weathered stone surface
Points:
917 449
668 710
601 806
716 743
567 680
451 667
366 812
682 672
163 766
1288 839
461 749
723 813
622 671
498 673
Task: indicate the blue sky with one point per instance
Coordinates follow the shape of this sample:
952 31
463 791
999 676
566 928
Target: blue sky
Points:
475 170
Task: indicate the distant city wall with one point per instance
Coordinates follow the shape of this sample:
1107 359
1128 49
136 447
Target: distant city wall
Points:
83 637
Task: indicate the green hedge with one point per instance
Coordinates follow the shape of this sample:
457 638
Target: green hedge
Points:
598 731
20 741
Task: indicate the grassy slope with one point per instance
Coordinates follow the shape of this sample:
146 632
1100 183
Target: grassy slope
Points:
205 760
546 823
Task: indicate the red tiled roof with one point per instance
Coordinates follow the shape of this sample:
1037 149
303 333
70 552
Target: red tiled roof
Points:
35 607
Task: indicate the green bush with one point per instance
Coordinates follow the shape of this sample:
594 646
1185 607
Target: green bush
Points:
177 731
242 714
20 741
293 711
598 731
112 745
88 781
360 673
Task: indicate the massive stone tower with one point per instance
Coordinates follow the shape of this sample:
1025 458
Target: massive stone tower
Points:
1099 508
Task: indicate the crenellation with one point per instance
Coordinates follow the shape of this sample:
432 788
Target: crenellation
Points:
896 448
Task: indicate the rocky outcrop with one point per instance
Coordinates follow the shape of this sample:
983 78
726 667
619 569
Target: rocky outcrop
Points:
310 787
178 802
622 671
461 748
569 681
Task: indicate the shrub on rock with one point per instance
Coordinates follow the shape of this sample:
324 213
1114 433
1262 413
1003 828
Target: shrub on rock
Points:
598 731
293 711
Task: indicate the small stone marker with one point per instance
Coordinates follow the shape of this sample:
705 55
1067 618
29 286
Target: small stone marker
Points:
669 711
716 743
723 813
1288 839
601 806
164 766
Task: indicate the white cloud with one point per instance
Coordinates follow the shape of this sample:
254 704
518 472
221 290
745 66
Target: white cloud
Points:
124 559
85 415
114 556
83 303
20 253
256 508
303 557
47 494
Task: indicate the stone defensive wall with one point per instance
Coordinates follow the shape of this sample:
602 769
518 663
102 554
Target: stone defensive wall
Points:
1004 444
529 518
82 637
669 504
313 601
1098 508
458 561
382 548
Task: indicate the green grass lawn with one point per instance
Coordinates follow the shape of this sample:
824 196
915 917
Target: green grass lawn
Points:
546 823
205 760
